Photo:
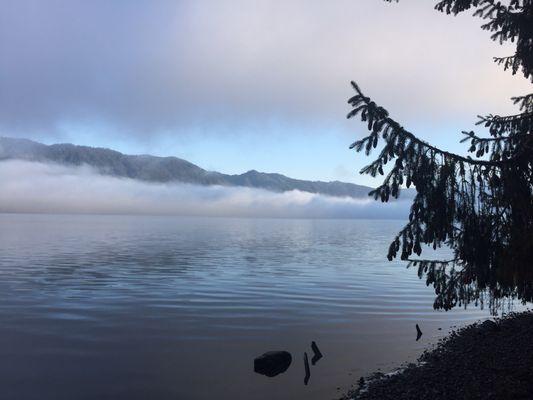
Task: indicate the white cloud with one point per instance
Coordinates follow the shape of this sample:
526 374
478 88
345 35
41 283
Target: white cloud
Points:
156 66
51 188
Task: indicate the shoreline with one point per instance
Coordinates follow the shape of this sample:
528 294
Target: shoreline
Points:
484 360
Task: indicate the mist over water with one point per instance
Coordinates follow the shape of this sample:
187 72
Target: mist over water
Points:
139 307
31 187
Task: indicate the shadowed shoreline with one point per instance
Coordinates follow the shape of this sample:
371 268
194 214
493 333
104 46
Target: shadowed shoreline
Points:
488 360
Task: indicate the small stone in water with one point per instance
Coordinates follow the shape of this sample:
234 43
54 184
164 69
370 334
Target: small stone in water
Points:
272 363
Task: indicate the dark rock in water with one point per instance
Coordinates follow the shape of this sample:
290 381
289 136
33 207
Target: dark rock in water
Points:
307 370
317 355
272 363
418 333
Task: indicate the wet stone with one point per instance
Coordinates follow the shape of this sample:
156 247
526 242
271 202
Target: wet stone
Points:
272 363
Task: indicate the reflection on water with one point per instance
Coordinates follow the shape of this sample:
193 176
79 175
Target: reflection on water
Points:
130 308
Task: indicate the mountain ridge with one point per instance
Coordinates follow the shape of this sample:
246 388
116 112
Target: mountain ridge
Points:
165 169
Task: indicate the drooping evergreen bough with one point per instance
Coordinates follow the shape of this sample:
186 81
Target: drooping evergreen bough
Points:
480 206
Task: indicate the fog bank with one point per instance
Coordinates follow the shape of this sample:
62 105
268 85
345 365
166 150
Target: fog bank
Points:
30 187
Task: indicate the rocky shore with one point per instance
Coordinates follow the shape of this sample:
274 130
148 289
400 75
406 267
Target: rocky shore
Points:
489 360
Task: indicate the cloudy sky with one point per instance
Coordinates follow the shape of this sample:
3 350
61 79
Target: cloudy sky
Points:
234 85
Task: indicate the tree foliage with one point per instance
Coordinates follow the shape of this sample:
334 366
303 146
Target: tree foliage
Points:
479 206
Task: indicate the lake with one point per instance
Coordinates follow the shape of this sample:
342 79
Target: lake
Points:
139 307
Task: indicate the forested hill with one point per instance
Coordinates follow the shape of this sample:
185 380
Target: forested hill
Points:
165 169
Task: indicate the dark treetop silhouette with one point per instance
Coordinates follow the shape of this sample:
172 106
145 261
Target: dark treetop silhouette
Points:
481 207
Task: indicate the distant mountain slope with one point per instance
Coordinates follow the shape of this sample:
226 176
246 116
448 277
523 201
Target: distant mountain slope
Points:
165 169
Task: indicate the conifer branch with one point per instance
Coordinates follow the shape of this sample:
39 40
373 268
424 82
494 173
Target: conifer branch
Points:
481 208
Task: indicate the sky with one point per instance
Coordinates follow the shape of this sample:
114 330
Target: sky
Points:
243 84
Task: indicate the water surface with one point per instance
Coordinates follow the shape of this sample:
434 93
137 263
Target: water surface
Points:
121 307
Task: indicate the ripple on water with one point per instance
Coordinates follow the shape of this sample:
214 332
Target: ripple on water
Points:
146 307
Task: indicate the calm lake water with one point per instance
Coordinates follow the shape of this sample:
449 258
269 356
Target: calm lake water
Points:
120 307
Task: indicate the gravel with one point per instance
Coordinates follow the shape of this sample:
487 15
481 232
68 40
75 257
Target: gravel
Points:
489 360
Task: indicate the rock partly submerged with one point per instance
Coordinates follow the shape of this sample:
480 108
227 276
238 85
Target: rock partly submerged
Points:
488 360
272 363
